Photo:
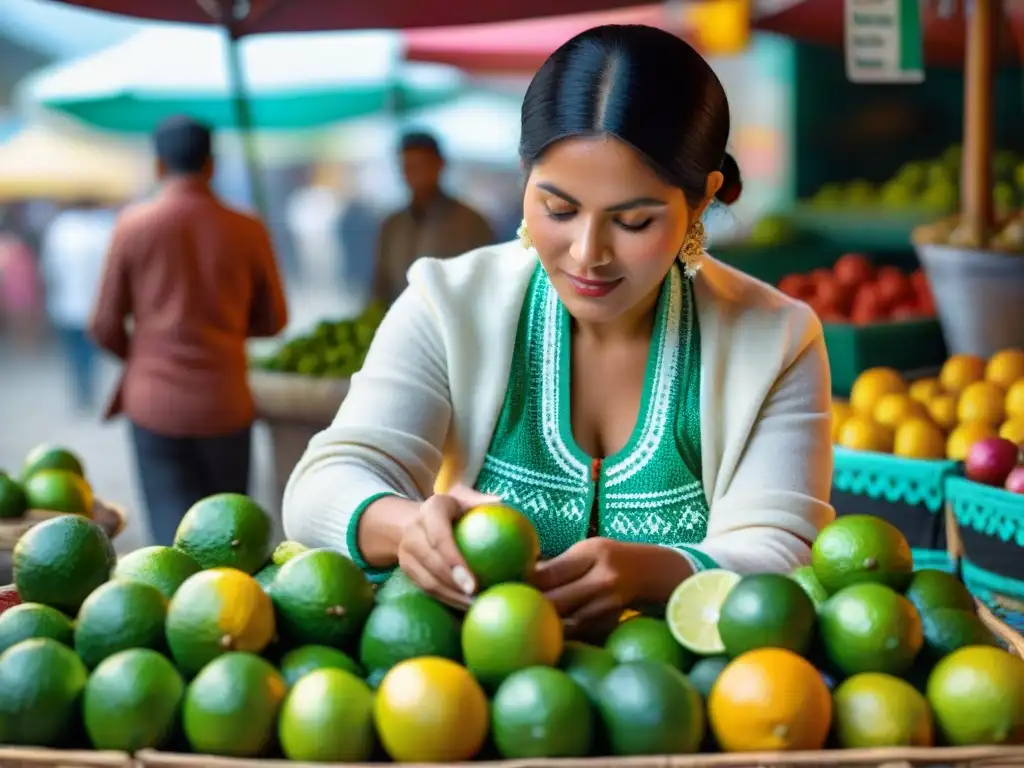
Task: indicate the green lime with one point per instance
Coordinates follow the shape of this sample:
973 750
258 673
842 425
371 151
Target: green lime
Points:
50 457
41 684
31 620
948 629
12 498
858 549
541 712
61 561
165 568
328 718
265 576
647 639
705 672
119 615
767 610
650 708
498 543
132 701
804 576
510 627
227 530
286 550
411 626
977 695
587 665
299 662
215 612
694 608
231 706
58 490
930 589
872 710
870 628
321 598
397 585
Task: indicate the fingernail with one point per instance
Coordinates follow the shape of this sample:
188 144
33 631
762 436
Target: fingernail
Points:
463 579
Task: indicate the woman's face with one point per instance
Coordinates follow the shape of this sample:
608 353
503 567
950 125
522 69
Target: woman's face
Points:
607 229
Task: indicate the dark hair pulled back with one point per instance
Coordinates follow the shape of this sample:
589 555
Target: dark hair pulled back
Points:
647 88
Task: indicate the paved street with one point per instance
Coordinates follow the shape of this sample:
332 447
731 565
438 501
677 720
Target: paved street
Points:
35 408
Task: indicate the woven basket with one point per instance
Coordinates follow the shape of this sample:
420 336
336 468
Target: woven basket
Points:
290 397
110 517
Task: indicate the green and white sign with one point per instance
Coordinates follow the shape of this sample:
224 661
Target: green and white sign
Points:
884 41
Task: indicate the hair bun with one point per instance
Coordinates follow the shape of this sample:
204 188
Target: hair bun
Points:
732 184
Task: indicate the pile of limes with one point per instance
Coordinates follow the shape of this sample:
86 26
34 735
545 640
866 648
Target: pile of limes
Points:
51 479
907 660
219 646
934 418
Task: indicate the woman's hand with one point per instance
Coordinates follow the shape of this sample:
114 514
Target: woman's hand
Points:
427 551
598 578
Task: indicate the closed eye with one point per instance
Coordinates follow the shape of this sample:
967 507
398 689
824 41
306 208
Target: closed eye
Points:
560 215
640 227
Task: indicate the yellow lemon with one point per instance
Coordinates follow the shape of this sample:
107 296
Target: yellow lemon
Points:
841 411
1013 430
871 385
924 390
965 435
1005 367
942 410
893 409
919 439
959 371
982 401
863 434
1014 403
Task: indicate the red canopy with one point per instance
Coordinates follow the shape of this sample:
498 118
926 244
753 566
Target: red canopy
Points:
318 15
821 21
520 46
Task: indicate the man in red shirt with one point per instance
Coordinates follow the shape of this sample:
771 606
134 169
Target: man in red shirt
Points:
197 279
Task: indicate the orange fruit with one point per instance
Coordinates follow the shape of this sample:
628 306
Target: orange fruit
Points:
1005 367
1014 403
982 401
769 700
919 439
1013 430
942 410
871 385
841 411
965 435
893 409
959 371
863 434
924 390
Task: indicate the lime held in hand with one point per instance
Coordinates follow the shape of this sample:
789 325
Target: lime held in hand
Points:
498 543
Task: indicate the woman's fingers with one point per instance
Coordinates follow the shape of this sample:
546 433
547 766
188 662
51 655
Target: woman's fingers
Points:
469 497
437 515
429 583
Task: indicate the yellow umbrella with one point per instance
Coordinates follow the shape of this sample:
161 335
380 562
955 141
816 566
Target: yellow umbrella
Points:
42 163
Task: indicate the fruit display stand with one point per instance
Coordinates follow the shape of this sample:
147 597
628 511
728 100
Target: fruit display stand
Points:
294 408
109 516
989 537
909 493
19 757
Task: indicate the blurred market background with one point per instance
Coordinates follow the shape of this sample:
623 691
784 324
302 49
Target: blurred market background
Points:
308 123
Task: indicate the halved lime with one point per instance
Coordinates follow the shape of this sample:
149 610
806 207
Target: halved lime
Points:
692 612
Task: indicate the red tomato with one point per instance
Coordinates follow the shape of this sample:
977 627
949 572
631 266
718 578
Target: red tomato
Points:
853 269
869 306
797 286
905 312
835 294
821 275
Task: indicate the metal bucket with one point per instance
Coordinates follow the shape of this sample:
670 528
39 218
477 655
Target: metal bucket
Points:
979 297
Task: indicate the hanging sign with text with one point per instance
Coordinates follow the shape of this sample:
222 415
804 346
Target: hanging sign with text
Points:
884 41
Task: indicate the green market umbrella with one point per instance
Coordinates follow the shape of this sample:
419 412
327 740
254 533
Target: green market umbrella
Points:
291 81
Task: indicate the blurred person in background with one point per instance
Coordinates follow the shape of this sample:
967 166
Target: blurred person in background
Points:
20 290
433 224
74 245
197 279
357 226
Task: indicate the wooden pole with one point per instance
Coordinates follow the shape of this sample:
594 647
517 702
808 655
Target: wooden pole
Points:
979 85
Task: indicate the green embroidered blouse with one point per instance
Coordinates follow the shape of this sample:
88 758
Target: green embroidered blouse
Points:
650 491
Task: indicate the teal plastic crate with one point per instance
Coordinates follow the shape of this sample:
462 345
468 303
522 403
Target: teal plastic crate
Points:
991 532
909 493
906 345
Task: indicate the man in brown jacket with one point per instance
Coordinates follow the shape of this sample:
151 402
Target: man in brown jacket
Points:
196 279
